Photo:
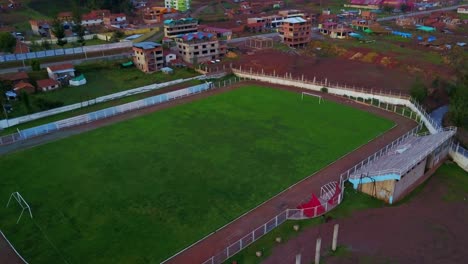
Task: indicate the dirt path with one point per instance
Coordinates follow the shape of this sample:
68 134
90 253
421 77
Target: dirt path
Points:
290 198
425 230
7 253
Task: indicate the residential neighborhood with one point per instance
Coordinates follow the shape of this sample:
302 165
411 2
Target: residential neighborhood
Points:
233 131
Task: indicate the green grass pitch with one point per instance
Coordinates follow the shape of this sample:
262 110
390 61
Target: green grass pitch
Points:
141 190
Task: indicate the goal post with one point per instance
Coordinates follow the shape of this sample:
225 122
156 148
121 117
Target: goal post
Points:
312 95
22 202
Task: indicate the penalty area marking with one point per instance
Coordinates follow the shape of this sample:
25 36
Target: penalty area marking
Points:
313 95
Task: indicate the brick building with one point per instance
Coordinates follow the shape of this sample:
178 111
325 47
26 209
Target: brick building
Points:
200 47
180 5
295 31
148 56
173 28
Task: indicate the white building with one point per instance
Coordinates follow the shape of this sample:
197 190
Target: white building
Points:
462 10
180 5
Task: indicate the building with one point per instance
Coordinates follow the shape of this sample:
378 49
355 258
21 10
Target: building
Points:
367 4
23 86
295 31
65 16
115 20
148 56
180 5
40 27
200 47
402 167
94 18
340 32
47 85
173 28
221 33
153 15
462 10
169 57
61 72
15 78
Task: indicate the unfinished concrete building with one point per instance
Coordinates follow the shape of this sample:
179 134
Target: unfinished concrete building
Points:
295 32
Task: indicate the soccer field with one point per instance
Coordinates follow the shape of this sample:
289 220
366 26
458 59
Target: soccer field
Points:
141 190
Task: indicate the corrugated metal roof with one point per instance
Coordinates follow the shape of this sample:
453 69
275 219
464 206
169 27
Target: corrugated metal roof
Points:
294 20
146 45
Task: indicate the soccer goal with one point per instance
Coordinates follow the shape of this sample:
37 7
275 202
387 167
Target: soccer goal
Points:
313 95
24 205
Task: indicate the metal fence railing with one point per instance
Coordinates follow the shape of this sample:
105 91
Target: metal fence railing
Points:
111 111
101 114
289 214
62 52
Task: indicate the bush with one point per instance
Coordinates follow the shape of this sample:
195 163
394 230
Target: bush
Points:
324 90
418 91
45 104
35 65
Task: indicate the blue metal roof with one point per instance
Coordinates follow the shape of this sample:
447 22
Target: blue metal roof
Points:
146 45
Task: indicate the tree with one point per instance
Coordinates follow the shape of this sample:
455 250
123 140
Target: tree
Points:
35 65
77 26
7 42
26 101
59 32
387 9
405 8
45 45
418 91
117 35
459 106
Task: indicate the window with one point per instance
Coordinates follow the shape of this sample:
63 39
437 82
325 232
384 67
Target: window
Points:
212 45
212 51
204 46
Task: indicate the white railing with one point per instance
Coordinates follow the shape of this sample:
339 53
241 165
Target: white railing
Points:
101 114
288 214
402 171
68 51
111 111
23 119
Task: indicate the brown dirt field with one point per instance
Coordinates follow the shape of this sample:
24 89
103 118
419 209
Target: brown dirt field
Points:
336 70
290 198
426 229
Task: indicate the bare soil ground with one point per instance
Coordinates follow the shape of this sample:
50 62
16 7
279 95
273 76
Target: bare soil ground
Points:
8 254
427 229
336 70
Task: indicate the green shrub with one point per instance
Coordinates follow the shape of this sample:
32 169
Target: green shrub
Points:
324 90
46 104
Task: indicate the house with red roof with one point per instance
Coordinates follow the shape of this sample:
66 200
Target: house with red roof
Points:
47 85
24 86
15 77
61 72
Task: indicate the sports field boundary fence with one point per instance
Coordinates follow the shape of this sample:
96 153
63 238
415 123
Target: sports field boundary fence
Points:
387 100
68 51
104 113
328 200
143 89
115 110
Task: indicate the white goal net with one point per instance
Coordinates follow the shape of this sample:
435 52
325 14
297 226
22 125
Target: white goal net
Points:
24 205
320 99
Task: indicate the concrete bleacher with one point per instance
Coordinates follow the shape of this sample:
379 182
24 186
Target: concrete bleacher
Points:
400 159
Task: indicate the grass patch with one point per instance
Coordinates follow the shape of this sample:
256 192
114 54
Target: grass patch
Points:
87 109
141 190
102 79
456 179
